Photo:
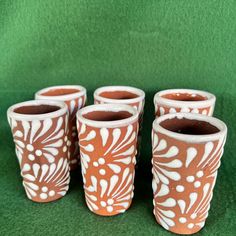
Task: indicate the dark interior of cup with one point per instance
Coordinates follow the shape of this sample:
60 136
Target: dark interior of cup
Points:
184 97
118 95
187 126
107 115
36 109
60 91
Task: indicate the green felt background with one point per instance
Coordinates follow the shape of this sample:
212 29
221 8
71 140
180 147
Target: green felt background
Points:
152 45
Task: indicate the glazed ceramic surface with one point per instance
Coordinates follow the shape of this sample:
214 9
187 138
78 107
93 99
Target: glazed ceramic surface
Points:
40 131
185 169
107 139
75 98
184 100
123 95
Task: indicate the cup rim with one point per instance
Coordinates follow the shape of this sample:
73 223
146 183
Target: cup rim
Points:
158 99
107 107
137 91
65 97
189 137
12 114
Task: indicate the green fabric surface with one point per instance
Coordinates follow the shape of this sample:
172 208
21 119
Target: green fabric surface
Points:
152 45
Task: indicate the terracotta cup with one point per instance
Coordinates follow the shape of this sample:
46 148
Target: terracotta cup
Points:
40 131
107 140
75 98
184 100
123 95
186 156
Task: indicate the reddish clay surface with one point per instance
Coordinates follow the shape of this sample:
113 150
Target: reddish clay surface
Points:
184 175
184 97
108 163
60 92
118 95
42 152
73 106
188 106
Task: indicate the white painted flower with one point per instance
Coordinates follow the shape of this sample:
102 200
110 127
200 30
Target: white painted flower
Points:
37 133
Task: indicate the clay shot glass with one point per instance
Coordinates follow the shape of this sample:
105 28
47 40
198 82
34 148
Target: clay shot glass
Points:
123 95
75 98
184 100
39 130
107 140
187 149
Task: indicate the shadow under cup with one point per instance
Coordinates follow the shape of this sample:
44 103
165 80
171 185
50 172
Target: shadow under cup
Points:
107 140
186 156
39 130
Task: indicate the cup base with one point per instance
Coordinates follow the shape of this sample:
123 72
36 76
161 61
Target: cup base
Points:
105 213
39 200
183 230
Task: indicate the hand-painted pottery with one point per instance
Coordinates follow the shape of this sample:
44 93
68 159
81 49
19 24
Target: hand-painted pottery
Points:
123 95
186 156
184 100
75 98
107 140
40 131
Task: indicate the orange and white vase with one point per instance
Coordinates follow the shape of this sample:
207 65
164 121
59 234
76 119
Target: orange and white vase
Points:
40 131
107 140
123 95
187 149
184 100
75 98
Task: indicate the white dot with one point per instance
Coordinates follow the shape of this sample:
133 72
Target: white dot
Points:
102 172
190 178
30 147
196 111
182 220
95 164
74 128
44 189
51 193
38 153
43 195
180 188
103 204
204 112
109 208
190 226
200 174
74 134
132 194
101 161
193 95
64 148
193 216
66 138
197 184
110 201
68 143
31 157
26 167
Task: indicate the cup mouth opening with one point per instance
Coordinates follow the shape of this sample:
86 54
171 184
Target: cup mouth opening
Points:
190 127
107 115
36 110
122 94
184 98
61 92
